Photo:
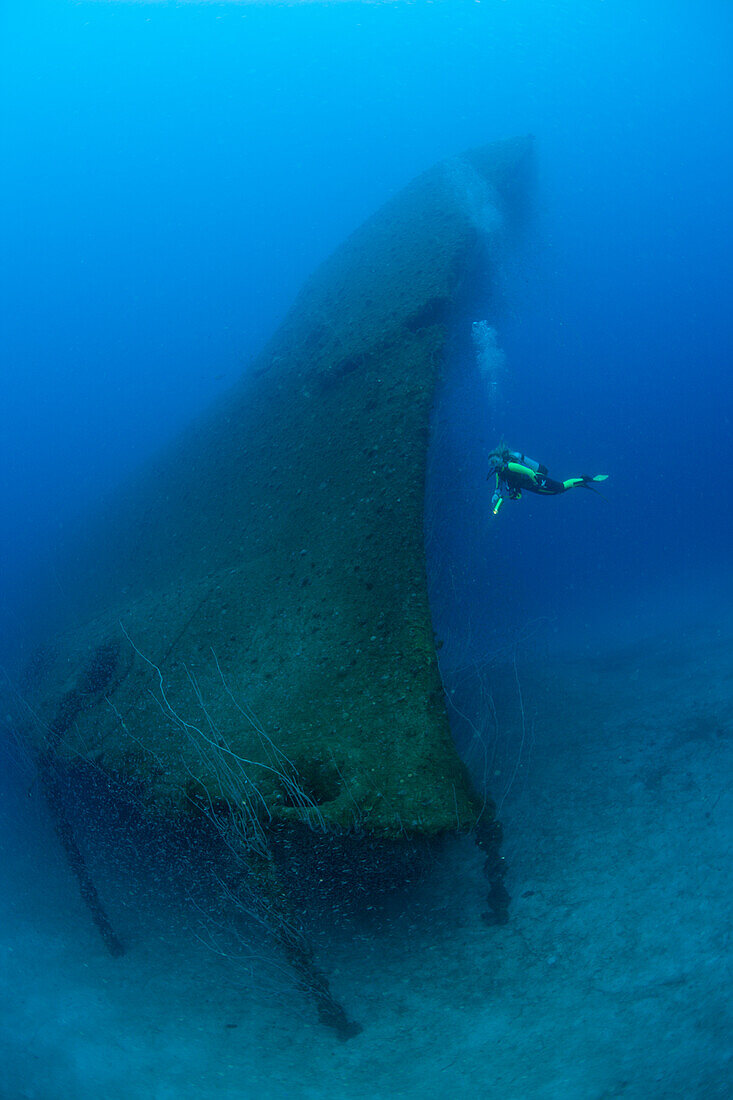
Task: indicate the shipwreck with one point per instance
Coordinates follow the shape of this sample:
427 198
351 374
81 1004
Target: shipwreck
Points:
248 657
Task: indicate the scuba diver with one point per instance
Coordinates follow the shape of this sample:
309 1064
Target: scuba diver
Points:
515 472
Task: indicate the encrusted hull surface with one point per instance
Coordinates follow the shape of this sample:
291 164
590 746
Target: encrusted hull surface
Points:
256 600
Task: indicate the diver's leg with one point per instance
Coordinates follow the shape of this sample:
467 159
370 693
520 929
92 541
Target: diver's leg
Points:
547 486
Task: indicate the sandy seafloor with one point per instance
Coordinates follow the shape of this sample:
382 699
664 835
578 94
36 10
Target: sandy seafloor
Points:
611 980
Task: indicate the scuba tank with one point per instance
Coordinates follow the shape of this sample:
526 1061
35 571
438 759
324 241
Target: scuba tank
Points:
530 463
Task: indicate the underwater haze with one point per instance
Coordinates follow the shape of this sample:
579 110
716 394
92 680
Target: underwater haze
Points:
173 172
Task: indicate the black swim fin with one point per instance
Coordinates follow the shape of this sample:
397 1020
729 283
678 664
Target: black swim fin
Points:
587 484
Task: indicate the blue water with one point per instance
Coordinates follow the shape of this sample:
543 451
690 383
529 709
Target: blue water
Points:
172 173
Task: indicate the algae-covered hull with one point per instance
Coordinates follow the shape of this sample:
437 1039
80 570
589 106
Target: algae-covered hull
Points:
261 588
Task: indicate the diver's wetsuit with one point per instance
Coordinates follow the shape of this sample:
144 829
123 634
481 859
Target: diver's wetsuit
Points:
517 472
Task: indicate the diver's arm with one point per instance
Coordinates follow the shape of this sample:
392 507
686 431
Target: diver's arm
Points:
498 498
